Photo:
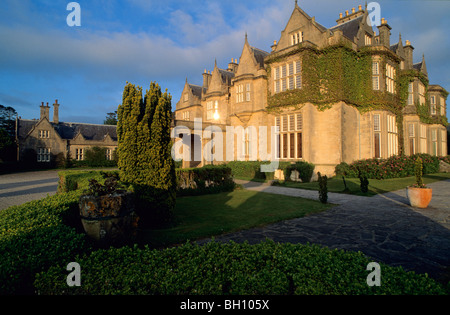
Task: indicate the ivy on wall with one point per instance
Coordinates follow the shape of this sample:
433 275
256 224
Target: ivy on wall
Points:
339 73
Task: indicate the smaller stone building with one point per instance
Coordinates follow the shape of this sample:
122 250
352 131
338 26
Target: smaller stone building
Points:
47 142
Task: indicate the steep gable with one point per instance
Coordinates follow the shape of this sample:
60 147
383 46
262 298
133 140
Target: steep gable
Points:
304 25
191 95
251 60
220 80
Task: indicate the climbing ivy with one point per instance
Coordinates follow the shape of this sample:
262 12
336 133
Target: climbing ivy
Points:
339 73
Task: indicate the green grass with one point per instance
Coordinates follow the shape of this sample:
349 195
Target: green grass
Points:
211 215
376 186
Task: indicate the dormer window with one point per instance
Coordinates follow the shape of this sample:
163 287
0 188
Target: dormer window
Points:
296 38
367 39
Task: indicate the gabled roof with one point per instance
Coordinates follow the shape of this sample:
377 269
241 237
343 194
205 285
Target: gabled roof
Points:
350 28
69 131
196 90
259 55
226 76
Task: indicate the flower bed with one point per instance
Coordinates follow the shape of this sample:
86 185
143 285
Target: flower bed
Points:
393 167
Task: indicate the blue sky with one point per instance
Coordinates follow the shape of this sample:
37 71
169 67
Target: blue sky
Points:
140 41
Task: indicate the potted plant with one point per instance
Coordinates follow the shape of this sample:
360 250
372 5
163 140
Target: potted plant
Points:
419 195
108 212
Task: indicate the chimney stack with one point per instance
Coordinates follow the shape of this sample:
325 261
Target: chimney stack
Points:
56 112
385 33
408 55
206 78
45 111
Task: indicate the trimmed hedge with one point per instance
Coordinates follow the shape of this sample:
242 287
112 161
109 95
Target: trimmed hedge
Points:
35 236
304 169
205 180
194 181
220 269
79 180
252 170
393 167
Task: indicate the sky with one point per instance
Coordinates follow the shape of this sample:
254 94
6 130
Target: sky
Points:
86 67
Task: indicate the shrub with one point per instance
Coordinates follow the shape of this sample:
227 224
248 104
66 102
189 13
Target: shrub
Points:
323 189
144 150
393 167
419 173
35 236
74 180
231 268
446 159
364 183
208 179
304 169
95 157
246 169
252 169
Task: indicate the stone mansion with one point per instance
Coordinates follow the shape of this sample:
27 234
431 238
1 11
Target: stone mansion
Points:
336 94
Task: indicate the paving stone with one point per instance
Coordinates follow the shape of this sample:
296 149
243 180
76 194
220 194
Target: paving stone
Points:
384 227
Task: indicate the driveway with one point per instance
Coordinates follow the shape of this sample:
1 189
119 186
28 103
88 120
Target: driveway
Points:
18 188
384 227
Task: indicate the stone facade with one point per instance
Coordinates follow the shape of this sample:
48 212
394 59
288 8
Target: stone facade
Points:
48 141
239 95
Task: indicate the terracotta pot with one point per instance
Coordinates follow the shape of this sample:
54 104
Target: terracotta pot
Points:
419 197
109 219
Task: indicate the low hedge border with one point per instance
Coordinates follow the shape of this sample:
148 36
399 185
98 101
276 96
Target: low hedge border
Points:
192 181
35 236
252 170
267 268
204 180
394 167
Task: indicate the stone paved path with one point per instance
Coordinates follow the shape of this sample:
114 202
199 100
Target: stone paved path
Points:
383 227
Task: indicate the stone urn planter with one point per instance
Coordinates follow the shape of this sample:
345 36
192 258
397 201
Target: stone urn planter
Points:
419 195
108 214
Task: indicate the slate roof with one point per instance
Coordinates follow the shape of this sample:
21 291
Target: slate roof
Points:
196 90
417 66
259 55
69 131
350 28
226 75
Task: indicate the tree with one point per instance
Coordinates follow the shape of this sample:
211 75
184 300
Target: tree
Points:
111 119
144 151
127 132
8 117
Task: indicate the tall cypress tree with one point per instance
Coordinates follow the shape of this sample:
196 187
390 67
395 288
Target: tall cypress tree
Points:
128 141
145 159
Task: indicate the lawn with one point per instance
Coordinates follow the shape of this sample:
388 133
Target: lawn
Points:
376 186
211 215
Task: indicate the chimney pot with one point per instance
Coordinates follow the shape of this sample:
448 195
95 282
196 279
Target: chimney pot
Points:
340 15
359 7
353 10
346 12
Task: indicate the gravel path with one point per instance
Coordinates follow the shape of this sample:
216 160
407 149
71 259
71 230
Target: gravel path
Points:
18 188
